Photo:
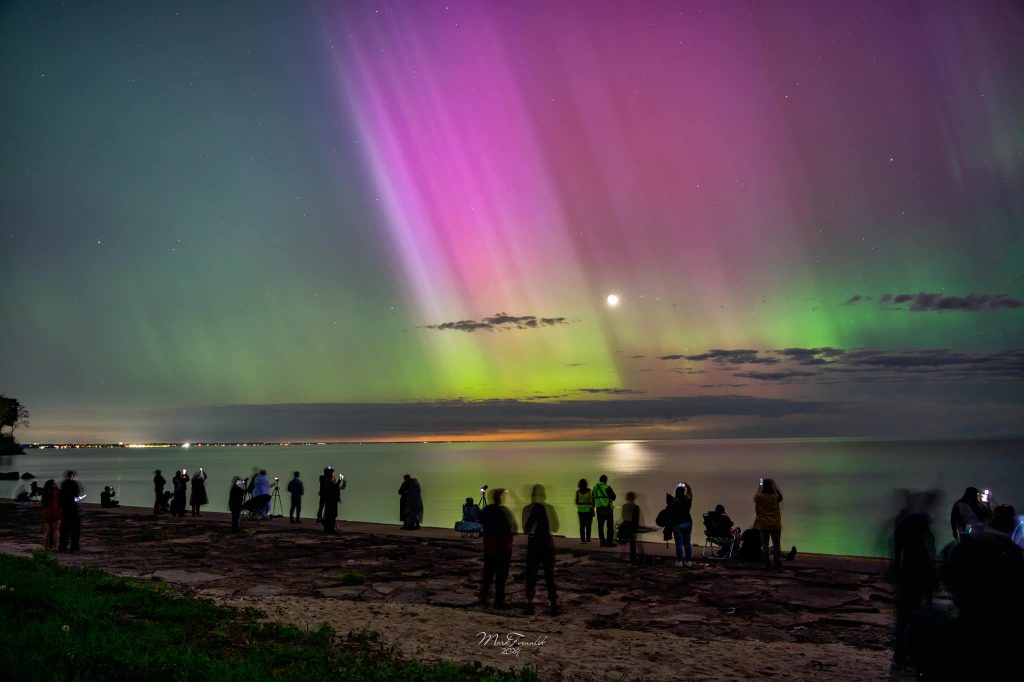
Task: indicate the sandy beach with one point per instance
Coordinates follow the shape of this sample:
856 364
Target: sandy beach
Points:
823 617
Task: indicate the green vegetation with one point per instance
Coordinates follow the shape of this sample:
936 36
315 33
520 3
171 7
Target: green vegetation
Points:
67 624
353 578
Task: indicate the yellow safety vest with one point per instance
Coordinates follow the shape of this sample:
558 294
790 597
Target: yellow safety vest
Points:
584 501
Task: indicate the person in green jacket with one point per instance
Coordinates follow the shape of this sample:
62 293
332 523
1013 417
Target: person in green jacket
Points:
585 509
603 498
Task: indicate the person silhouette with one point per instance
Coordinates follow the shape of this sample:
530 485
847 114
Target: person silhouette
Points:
540 521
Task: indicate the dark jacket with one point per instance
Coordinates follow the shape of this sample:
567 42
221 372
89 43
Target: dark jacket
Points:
538 523
69 492
498 528
412 503
296 488
199 496
236 497
403 500
677 510
718 525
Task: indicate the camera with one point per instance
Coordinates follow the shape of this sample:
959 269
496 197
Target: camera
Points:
276 479
761 481
681 484
483 489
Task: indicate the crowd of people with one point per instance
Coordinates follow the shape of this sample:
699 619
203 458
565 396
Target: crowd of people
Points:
982 567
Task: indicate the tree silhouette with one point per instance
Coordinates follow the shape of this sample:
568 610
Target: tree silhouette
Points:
12 414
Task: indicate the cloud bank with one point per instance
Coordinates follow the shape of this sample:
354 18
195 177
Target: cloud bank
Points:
498 322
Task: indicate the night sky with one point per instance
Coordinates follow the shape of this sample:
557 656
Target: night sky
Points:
351 220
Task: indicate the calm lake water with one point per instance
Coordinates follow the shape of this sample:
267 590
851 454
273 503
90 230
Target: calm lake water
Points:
838 493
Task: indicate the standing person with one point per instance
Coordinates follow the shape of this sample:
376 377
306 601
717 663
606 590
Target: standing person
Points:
158 488
51 515
297 490
404 498
331 501
630 524
540 521
180 484
967 512
497 540
412 502
682 524
71 522
584 509
198 497
261 486
913 567
323 489
235 499
768 520
603 498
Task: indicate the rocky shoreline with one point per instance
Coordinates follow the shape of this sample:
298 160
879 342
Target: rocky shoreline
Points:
822 617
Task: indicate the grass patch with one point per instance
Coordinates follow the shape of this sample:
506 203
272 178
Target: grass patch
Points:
68 624
353 578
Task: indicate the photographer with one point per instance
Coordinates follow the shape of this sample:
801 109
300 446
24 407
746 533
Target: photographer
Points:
198 497
333 486
180 483
261 486
235 499
108 498
297 490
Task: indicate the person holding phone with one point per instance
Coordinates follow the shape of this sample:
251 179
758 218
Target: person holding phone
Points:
198 497
71 522
768 520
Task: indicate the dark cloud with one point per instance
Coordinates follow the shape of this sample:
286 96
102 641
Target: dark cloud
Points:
924 302
728 357
975 302
609 391
811 356
353 421
834 365
499 322
784 375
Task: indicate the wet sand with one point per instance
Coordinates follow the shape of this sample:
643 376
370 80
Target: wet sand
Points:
823 617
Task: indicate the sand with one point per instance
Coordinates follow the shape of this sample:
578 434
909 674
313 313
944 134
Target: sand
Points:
821 618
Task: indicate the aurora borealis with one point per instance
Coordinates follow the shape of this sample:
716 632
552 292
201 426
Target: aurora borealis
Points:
317 220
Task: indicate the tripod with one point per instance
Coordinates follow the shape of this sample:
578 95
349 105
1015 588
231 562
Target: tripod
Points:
483 500
277 508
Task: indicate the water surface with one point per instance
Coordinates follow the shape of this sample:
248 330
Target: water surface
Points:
838 493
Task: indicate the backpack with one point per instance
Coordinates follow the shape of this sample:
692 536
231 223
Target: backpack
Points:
750 545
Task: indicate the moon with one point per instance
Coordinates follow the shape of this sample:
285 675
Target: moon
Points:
613 300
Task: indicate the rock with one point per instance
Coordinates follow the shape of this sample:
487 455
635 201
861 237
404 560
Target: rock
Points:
25 476
180 577
453 599
384 588
351 592
815 597
265 590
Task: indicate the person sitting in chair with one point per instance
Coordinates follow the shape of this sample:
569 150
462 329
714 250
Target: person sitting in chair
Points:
717 524
470 522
